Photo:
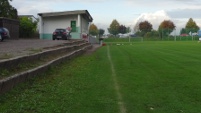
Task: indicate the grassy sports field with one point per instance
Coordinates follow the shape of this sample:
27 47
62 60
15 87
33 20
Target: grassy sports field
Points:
141 77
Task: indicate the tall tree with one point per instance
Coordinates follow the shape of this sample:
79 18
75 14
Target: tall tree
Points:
183 31
6 10
122 29
114 27
145 26
166 27
136 27
191 26
93 30
101 32
128 30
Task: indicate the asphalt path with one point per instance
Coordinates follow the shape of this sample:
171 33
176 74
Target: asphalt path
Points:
14 48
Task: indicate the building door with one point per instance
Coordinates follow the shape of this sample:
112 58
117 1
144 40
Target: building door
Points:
73 26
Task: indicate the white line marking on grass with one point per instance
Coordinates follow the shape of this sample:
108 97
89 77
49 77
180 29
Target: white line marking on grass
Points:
116 85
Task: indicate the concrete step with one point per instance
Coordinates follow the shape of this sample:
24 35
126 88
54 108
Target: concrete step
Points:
67 52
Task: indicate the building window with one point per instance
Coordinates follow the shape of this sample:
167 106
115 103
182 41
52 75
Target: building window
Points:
73 26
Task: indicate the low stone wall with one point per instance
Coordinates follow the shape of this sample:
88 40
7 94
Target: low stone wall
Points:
10 82
13 62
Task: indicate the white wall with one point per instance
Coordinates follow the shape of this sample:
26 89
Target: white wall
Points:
84 25
51 23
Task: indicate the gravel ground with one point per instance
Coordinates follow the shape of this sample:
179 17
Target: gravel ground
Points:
13 48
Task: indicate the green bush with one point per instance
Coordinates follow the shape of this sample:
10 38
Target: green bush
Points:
27 27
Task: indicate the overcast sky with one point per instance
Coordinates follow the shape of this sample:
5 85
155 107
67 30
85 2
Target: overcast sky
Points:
126 12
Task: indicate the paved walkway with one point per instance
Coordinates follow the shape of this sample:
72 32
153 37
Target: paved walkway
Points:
14 48
23 46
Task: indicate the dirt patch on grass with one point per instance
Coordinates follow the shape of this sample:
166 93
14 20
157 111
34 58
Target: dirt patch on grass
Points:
94 48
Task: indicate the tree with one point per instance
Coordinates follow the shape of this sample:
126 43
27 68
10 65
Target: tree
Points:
165 28
128 30
145 27
183 31
136 27
93 30
122 29
101 32
114 27
7 10
27 27
191 26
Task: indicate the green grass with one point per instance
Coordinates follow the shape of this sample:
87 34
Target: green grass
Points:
82 86
153 77
6 56
160 75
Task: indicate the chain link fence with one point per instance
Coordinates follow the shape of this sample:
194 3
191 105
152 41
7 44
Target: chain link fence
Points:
171 35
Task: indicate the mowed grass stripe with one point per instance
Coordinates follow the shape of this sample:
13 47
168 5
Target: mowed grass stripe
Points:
191 47
152 79
184 58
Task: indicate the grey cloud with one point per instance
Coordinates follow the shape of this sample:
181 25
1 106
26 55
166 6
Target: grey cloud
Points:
185 13
165 3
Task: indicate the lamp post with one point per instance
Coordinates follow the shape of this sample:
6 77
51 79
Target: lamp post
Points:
116 30
129 34
175 38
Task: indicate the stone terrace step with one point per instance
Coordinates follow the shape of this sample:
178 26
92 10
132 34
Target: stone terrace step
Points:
72 50
68 47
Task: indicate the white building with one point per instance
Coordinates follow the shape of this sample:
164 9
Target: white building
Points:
78 20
